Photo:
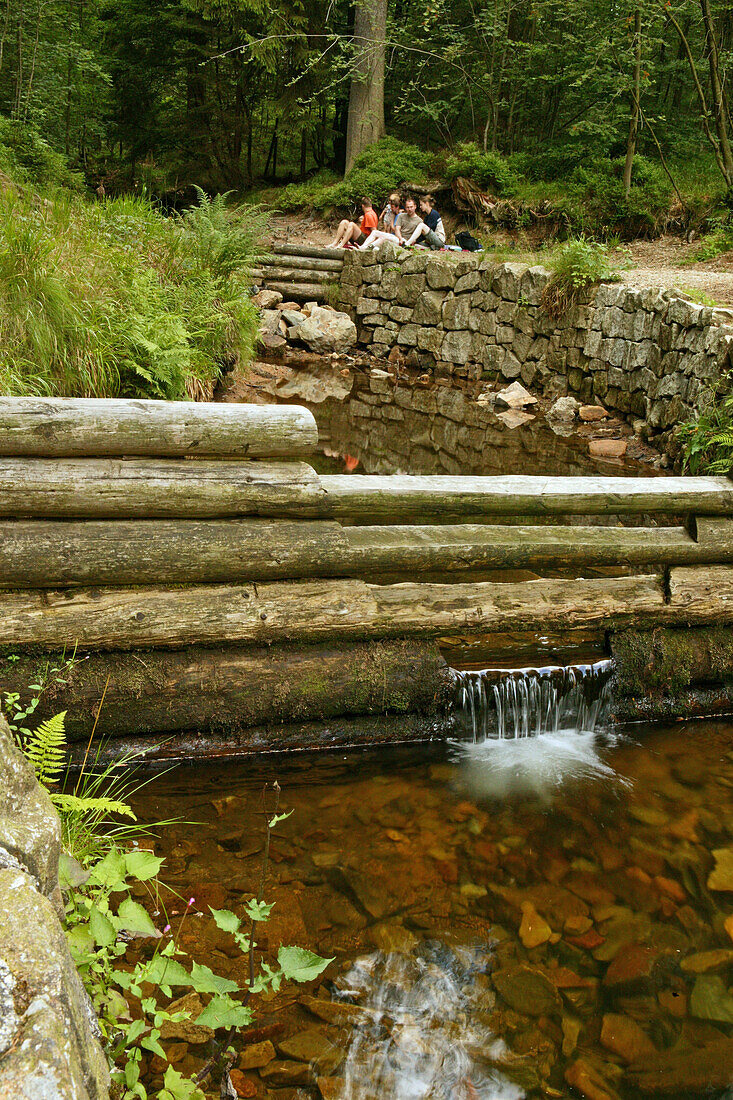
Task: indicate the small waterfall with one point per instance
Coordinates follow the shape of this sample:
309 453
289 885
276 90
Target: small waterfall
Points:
508 704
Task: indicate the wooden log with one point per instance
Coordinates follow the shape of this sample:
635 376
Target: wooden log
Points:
318 610
297 275
304 263
298 292
149 487
160 691
42 554
701 593
371 550
668 659
311 250
404 498
56 426
39 554
716 535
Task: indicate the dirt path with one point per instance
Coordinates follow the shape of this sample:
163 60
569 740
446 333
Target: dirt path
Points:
662 262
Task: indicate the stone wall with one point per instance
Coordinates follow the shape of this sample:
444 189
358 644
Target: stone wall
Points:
49 1048
644 353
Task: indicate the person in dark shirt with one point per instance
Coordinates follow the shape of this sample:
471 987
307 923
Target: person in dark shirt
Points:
430 231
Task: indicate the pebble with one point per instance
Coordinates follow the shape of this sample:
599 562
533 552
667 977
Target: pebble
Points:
721 876
534 929
623 1036
257 1055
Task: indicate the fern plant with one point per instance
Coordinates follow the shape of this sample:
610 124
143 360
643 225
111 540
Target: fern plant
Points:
708 441
45 748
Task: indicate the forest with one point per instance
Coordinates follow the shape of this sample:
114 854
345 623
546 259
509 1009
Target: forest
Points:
231 94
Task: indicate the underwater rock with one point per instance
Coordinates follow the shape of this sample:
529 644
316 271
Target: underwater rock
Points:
623 1036
534 929
589 1081
710 1000
527 990
721 876
257 1055
679 1071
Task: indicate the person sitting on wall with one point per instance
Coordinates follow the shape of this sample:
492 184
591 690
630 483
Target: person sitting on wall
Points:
431 231
390 212
351 233
405 225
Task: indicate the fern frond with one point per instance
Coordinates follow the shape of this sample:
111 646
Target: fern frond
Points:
79 804
45 748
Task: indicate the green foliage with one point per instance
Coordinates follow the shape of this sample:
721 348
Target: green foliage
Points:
312 192
26 157
45 748
715 243
113 299
576 265
707 441
489 170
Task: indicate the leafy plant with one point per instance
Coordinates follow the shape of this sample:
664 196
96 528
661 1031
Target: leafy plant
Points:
489 170
715 243
707 441
576 265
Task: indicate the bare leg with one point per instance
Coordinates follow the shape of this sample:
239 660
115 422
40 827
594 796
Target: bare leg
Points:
376 237
341 233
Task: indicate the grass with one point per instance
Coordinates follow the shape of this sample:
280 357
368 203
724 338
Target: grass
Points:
113 299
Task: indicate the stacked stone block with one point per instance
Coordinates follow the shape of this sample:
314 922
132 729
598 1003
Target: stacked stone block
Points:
645 353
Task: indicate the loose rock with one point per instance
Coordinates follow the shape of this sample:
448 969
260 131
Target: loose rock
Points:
327 330
607 448
515 397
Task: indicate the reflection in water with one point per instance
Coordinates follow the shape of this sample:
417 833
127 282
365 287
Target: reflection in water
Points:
427 1039
534 767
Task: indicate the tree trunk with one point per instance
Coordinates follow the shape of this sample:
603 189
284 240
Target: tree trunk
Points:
366 99
635 94
716 85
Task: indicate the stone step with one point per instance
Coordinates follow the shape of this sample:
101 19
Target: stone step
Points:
304 263
299 292
307 250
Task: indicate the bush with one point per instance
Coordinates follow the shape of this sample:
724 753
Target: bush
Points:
595 201
312 192
714 243
112 299
489 170
576 265
27 158
380 169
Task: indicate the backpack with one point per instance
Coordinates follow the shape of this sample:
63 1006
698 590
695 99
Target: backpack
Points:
467 242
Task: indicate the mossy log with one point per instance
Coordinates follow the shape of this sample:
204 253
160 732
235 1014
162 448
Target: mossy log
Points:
409 498
161 691
55 426
273 275
148 487
40 554
668 659
319 610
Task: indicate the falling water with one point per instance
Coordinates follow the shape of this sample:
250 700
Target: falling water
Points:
507 704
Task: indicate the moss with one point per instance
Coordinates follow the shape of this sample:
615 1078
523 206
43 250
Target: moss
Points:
666 660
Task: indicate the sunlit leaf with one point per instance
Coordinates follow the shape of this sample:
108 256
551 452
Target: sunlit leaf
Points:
205 980
135 920
224 1012
300 965
226 920
142 864
103 931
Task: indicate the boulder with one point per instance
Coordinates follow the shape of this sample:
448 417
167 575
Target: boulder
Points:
564 409
515 397
267 299
30 835
327 330
49 1045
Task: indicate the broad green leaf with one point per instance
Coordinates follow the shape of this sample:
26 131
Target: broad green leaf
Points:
134 919
134 1031
81 943
300 965
152 1044
110 871
177 1087
142 864
258 910
161 971
224 1012
205 980
102 930
226 920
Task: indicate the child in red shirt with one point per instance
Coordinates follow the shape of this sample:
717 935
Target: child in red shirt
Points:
351 233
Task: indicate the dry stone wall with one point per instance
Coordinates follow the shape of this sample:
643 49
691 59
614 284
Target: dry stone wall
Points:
645 353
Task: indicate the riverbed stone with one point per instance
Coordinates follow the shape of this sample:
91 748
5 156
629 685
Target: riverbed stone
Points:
527 990
721 876
624 1037
257 1055
327 330
710 999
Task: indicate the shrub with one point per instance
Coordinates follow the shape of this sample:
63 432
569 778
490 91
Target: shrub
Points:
576 265
594 199
489 170
112 299
714 243
380 169
312 192
27 158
